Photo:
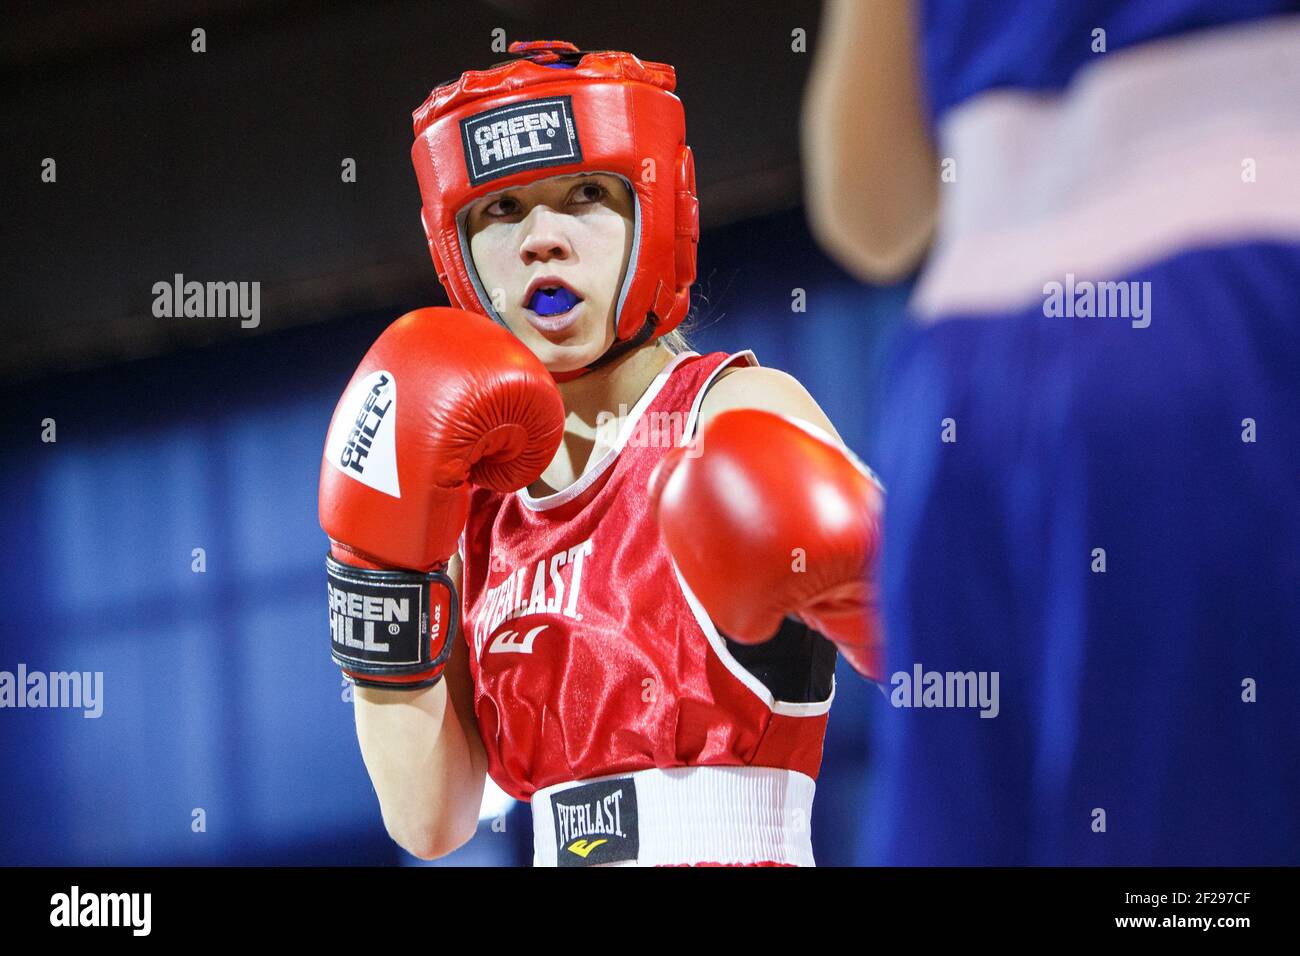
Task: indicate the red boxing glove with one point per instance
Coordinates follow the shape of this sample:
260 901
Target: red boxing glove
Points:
773 518
442 399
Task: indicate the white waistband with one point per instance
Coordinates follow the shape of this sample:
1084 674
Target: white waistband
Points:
694 815
1148 152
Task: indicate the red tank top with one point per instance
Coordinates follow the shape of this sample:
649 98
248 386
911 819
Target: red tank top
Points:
589 654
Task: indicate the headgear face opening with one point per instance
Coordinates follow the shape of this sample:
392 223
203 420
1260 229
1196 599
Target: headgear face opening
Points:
557 111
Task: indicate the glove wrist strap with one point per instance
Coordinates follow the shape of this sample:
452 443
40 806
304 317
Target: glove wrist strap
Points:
390 629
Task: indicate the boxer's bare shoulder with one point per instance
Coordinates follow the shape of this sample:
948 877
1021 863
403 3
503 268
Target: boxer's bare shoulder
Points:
767 388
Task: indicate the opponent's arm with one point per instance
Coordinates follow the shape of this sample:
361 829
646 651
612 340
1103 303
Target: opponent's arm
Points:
870 169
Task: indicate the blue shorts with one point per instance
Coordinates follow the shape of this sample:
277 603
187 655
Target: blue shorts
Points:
1122 736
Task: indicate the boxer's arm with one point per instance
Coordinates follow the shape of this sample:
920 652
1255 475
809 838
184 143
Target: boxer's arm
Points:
870 170
424 755
837 525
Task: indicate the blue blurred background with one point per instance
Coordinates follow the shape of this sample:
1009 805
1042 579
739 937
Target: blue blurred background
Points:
227 735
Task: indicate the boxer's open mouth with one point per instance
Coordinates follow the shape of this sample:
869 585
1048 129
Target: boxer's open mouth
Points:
550 297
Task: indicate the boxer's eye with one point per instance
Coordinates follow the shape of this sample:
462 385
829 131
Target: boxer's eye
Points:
584 194
592 192
505 206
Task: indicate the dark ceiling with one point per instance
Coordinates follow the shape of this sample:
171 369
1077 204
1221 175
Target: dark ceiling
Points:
225 165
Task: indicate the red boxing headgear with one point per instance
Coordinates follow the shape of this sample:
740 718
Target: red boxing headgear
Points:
556 111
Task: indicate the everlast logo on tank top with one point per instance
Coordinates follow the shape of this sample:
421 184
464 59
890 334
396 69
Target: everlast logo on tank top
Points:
596 823
551 586
527 135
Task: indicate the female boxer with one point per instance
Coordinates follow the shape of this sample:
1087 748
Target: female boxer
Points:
649 625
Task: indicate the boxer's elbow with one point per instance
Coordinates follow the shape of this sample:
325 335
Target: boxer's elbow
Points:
876 228
871 254
431 842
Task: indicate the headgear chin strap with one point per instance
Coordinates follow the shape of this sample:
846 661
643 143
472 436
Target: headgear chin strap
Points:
556 111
